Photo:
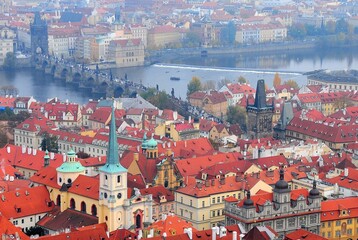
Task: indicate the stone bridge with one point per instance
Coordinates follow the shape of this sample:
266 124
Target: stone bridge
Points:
87 77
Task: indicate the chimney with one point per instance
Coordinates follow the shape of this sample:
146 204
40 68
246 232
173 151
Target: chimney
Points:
29 150
346 172
214 232
189 232
185 144
52 155
237 178
23 149
136 156
8 149
207 184
242 236
175 115
34 152
64 157
199 185
189 119
212 182
222 180
222 231
140 234
169 152
234 235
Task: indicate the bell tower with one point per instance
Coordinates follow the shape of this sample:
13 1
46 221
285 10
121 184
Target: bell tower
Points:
260 114
112 185
39 36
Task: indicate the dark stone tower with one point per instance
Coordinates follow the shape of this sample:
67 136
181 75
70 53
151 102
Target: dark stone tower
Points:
39 36
286 117
260 114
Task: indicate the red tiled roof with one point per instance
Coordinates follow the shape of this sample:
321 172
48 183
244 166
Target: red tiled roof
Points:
216 187
9 231
350 181
330 131
309 97
171 225
25 202
157 192
331 209
236 88
127 42
303 234
57 110
86 186
7 102
191 166
36 123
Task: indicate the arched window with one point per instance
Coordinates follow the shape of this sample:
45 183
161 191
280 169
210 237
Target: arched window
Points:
138 221
83 206
58 200
118 178
72 203
94 210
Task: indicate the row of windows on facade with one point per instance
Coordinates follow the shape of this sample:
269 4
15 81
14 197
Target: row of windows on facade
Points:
130 60
338 233
214 200
166 208
16 222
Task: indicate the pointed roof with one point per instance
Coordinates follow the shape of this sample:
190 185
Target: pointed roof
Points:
112 164
260 97
38 20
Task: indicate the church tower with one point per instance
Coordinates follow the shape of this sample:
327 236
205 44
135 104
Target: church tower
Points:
260 114
39 36
112 185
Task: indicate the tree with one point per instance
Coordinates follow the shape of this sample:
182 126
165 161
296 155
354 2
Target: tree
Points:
191 39
237 115
49 143
292 83
342 102
276 80
194 85
222 82
342 26
209 85
82 155
297 31
330 27
149 93
9 90
35 231
10 61
242 80
3 139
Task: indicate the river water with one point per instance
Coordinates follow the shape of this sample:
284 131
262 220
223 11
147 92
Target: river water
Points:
251 66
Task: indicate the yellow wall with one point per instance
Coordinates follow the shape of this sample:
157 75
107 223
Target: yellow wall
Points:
329 229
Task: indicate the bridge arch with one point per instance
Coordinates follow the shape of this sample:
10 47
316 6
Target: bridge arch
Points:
76 77
64 73
44 64
91 81
118 92
53 69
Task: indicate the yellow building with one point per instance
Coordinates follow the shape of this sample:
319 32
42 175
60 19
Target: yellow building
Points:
163 37
126 52
178 131
203 203
217 132
105 196
339 218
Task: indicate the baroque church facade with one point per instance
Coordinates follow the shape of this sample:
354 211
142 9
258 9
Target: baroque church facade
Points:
105 196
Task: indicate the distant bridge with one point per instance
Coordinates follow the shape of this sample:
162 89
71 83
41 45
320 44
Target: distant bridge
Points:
87 77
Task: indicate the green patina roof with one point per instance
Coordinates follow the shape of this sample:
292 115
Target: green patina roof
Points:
145 141
71 167
112 164
152 143
71 153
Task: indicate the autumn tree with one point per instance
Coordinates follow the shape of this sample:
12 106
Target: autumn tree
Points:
342 102
223 82
292 84
209 85
237 115
194 85
242 80
276 80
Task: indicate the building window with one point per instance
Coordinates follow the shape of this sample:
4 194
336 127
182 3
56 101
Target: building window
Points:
94 210
83 206
203 203
338 233
191 202
213 200
181 199
349 231
322 225
181 212
72 203
338 223
328 234
118 178
313 218
349 221
329 224
292 222
279 224
203 217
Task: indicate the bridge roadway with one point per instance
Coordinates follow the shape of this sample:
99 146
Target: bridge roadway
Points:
87 77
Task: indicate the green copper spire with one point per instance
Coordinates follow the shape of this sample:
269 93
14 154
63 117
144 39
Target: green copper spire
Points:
112 164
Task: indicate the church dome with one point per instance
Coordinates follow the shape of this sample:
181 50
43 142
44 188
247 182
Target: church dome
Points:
145 142
314 191
152 143
248 203
281 184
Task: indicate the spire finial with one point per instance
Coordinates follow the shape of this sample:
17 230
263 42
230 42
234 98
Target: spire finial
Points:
282 174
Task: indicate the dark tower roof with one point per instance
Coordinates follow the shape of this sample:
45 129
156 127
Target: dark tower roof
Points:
314 193
260 97
37 20
248 203
281 185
